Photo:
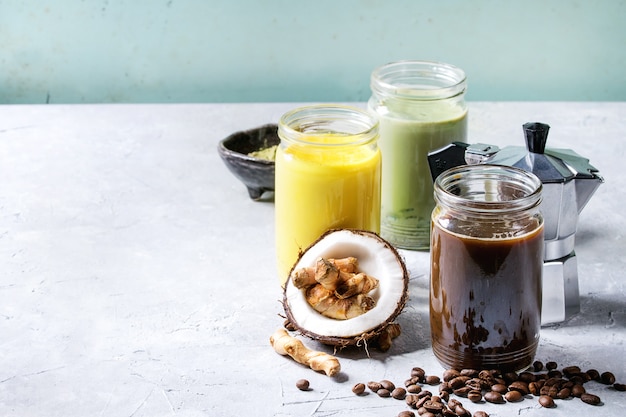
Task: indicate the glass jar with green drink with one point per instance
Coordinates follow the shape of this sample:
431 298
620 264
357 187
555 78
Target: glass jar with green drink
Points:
420 107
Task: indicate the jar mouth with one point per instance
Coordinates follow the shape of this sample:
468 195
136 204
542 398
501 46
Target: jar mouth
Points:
328 125
487 188
418 80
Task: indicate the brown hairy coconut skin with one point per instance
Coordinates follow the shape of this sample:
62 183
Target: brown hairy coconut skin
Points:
371 334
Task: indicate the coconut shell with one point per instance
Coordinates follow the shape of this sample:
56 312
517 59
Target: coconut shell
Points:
377 325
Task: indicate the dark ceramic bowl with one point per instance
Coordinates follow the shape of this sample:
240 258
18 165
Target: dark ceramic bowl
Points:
257 174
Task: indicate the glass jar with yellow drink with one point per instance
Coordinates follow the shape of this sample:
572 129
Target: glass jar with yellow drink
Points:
421 107
328 176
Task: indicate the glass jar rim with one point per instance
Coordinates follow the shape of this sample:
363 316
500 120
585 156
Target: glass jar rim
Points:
522 190
350 125
418 80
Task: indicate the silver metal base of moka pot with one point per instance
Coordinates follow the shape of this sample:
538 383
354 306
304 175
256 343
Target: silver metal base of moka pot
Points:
560 294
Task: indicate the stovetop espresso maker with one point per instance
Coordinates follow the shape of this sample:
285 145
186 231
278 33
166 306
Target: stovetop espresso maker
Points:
568 181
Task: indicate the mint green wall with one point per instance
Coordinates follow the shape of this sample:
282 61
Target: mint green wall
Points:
73 51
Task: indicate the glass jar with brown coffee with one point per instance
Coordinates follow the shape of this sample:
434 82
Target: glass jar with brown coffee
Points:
486 266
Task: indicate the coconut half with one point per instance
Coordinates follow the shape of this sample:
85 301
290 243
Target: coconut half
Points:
377 258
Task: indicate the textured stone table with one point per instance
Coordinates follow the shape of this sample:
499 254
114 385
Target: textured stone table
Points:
138 279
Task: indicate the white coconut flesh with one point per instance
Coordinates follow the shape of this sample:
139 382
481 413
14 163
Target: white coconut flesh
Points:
376 258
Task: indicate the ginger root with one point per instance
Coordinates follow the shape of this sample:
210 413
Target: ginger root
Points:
356 284
328 304
284 344
335 288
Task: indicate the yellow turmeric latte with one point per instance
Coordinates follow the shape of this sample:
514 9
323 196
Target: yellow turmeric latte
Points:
323 185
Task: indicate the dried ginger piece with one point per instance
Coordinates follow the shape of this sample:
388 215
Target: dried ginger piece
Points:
356 284
328 304
335 288
284 344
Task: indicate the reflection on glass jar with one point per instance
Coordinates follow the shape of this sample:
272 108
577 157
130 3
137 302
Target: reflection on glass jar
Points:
486 266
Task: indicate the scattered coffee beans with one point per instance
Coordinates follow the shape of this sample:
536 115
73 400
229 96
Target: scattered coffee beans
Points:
302 384
546 382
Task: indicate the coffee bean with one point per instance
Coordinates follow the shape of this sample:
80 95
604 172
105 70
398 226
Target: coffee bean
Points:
458 382
607 378
520 386
425 393
481 413
462 392
472 373
450 374
383 393
426 413
571 370
302 384
578 378
447 412
513 396
434 407
502 389
420 403
445 386
527 377
359 388
475 396
411 400
411 381
593 374
578 390
445 395
388 385
398 393
551 365
510 377
406 414
619 386
590 399
538 366
564 393
432 380
494 397
418 372
534 387
414 389
555 373
546 401
460 411
485 374
453 403
374 386
553 391
476 384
